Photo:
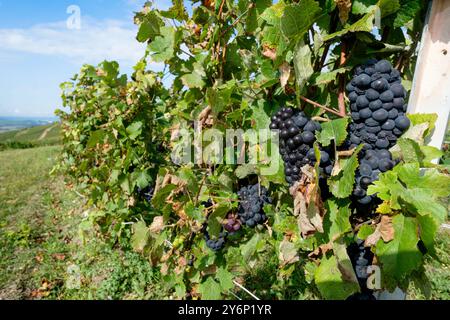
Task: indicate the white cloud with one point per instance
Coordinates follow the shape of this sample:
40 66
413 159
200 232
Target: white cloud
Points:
94 42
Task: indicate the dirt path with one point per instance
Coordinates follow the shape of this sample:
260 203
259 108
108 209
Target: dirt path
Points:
45 133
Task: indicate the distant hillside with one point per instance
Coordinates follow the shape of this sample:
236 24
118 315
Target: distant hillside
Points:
18 123
31 137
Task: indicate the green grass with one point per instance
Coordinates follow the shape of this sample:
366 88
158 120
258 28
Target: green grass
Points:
31 137
435 284
40 243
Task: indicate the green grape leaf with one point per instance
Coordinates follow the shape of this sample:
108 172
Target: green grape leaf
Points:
143 179
400 256
364 24
96 137
428 118
333 130
388 7
249 248
431 153
210 289
140 236
410 151
215 218
163 47
407 12
245 170
337 220
327 77
177 11
429 179
341 185
302 65
149 28
365 231
298 18
260 117
134 130
195 79
363 6
225 279
330 282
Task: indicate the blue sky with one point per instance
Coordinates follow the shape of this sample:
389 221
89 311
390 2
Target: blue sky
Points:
38 51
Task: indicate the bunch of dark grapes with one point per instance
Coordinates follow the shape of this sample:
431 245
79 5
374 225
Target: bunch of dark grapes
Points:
232 223
372 163
146 193
378 106
361 258
378 112
251 206
297 136
216 244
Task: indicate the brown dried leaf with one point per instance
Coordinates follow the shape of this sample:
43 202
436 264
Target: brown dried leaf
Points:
210 4
212 269
385 230
157 225
205 117
285 73
344 7
174 132
308 205
59 256
269 52
321 250
288 253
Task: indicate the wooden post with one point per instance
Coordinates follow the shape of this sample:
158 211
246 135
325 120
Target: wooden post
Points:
431 86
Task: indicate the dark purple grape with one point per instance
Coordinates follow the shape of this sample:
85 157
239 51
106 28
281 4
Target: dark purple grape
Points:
402 123
362 102
380 85
393 114
365 113
308 137
388 125
365 169
375 105
372 95
398 90
387 96
373 130
386 165
353 96
382 143
310 126
363 80
383 66
380 115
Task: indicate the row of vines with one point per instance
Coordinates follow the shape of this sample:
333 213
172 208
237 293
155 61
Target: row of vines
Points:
355 184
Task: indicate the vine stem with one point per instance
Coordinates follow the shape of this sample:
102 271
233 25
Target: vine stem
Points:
235 22
341 95
323 107
221 8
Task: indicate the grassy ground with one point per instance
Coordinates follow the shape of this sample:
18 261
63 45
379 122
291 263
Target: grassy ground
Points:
35 136
42 256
